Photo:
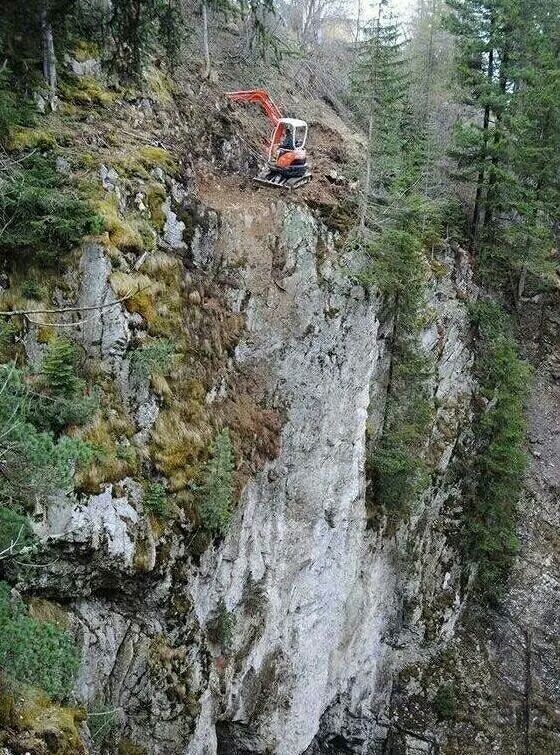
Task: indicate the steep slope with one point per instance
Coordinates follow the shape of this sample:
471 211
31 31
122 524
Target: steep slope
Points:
313 624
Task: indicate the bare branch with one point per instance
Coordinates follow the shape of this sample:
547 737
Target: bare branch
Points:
61 310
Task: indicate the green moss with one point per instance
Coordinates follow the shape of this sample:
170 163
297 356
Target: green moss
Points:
23 138
57 725
8 714
140 162
85 50
157 157
85 90
126 747
123 234
155 197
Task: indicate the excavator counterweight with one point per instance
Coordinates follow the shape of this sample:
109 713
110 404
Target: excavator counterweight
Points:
287 166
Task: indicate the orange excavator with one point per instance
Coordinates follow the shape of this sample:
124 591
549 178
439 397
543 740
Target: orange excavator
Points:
287 166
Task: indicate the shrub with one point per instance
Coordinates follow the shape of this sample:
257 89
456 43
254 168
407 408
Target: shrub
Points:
35 652
14 110
214 508
102 723
63 401
154 499
15 530
221 627
40 212
35 463
154 359
59 368
444 703
32 290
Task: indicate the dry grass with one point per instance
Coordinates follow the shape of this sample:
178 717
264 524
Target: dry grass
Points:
140 290
114 461
122 233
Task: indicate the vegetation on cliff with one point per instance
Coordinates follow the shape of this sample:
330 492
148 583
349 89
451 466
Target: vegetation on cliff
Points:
97 142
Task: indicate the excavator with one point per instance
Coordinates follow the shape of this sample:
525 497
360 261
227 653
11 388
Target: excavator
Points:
287 166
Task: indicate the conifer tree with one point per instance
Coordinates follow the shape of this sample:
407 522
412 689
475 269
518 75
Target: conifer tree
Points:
378 87
508 65
485 31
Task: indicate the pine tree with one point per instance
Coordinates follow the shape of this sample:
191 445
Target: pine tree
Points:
59 368
485 31
137 27
378 88
508 66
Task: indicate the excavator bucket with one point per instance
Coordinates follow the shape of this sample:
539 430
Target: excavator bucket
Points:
278 181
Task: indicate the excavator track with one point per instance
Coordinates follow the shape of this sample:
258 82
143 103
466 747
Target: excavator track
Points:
277 181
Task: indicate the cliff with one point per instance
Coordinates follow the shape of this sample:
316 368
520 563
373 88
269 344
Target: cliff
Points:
313 623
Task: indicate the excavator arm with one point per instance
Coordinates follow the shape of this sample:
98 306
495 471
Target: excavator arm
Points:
261 97
287 168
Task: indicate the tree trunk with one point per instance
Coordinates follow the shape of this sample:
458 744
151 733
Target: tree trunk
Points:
371 127
49 59
478 202
358 23
492 193
205 46
367 179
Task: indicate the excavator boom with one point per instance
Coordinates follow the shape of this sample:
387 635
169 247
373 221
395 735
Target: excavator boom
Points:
286 160
263 98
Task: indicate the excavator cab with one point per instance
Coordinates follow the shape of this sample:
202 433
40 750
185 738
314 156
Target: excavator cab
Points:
287 158
290 133
287 165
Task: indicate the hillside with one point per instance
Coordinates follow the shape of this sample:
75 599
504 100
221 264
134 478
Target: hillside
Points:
278 470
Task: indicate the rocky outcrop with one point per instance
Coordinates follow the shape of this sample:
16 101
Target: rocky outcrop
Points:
104 331
316 598
286 636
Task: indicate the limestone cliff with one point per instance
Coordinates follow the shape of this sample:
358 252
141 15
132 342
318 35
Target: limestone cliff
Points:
312 626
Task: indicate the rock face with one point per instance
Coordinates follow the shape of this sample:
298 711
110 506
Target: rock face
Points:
315 597
290 570
105 331
323 609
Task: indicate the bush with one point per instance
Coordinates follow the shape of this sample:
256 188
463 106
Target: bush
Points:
444 703
41 214
59 368
35 463
154 359
221 627
154 499
14 110
490 514
15 530
62 401
214 508
35 652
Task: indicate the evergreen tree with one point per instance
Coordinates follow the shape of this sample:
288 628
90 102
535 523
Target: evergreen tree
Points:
378 89
489 40
32 35
508 66
137 27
